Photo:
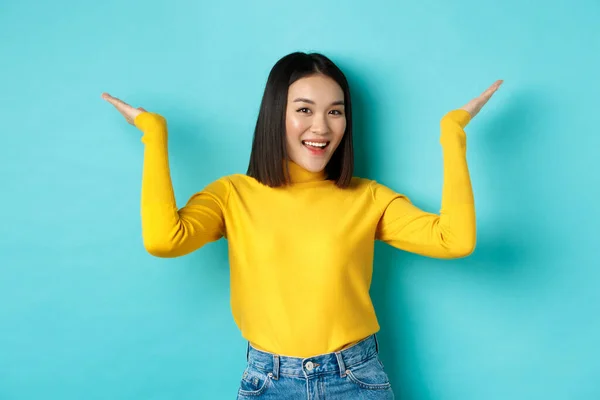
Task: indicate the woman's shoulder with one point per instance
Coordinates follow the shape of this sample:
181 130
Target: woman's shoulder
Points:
238 179
361 183
379 191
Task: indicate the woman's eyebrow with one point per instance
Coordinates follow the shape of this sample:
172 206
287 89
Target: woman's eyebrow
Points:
309 101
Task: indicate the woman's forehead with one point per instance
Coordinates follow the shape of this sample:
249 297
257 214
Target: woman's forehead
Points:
318 88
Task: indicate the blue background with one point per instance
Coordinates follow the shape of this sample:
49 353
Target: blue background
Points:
86 313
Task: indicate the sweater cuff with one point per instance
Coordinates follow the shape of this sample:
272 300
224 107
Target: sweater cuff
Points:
460 116
452 127
152 124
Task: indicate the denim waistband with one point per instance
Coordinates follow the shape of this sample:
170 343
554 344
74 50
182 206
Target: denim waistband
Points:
321 364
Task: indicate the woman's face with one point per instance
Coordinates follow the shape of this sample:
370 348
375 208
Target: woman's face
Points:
315 121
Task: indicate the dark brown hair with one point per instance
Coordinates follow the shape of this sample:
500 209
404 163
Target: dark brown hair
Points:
269 143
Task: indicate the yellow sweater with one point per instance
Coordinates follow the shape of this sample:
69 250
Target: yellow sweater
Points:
301 256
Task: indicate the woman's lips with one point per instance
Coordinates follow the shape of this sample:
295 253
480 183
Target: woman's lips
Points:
313 148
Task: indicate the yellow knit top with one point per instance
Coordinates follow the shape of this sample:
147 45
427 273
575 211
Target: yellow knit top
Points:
301 255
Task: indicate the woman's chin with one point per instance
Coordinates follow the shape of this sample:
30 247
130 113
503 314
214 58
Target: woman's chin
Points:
313 166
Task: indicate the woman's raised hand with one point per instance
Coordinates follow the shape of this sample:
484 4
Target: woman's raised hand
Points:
473 106
125 109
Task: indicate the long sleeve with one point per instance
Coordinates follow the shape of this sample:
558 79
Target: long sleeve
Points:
167 231
452 233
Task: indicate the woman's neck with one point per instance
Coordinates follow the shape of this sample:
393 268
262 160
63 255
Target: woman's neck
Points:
300 175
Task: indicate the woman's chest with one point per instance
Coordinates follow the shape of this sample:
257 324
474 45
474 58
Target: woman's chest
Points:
313 222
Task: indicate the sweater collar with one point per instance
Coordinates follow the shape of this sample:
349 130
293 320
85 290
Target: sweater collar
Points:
300 175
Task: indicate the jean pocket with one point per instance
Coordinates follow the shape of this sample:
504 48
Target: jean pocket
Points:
369 375
254 382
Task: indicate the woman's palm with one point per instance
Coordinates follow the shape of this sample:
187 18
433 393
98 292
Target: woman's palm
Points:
125 109
473 106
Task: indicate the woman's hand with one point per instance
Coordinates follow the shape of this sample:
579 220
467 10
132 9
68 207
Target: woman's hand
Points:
125 109
473 106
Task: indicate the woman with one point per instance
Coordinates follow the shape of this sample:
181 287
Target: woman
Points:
301 232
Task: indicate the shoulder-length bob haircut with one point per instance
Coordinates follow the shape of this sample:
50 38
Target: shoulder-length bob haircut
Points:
269 149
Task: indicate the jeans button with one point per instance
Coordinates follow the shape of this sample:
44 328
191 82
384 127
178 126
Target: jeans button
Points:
309 365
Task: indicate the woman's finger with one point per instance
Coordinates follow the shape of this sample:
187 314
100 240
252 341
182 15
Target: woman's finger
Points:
119 104
129 112
474 106
485 96
490 91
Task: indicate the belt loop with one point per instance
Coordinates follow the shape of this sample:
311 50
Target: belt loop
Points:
248 352
275 366
341 364
376 344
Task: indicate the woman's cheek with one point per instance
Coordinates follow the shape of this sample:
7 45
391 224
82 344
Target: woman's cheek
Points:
340 130
296 124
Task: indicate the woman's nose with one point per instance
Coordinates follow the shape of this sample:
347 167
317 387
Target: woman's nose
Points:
319 126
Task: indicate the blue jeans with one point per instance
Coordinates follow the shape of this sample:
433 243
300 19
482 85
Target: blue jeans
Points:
353 373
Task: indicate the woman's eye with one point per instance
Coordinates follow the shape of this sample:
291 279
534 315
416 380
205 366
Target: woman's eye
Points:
336 112
303 110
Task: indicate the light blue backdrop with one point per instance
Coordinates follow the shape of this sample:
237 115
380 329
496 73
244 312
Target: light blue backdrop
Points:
86 313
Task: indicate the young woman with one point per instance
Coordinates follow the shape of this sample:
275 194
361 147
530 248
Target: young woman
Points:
301 232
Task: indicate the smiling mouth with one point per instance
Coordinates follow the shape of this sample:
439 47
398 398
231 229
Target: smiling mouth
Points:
315 145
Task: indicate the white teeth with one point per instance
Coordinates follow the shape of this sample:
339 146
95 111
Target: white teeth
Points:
314 144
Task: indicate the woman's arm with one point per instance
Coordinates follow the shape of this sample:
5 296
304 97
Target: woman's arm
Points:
452 233
167 231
